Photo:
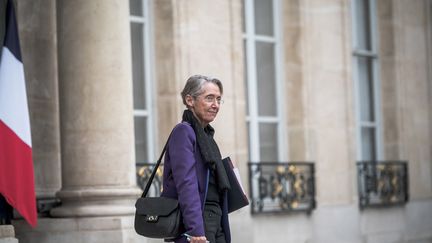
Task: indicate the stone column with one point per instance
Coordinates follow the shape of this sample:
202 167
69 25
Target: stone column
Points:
96 114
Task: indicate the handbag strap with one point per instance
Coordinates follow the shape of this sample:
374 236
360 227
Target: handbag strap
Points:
155 169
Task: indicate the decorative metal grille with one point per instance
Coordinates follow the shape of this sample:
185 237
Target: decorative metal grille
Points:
383 183
281 187
144 171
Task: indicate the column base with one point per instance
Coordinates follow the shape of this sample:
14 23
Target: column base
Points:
9 240
7 234
96 202
71 230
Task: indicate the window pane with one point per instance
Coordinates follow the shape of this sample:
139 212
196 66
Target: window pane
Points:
268 142
363 24
368 143
266 83
141 153
264 17
138 72
136 7
366 89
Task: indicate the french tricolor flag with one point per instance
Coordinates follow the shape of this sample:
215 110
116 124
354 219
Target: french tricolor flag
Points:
16 165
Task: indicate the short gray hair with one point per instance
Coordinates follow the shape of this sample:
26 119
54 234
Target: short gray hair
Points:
194 84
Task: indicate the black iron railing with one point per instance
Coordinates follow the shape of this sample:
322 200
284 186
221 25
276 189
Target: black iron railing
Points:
143 173
281 187
382 183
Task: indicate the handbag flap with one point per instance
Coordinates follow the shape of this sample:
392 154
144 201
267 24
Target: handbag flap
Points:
160 206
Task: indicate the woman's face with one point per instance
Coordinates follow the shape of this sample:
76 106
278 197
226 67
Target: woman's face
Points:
206 106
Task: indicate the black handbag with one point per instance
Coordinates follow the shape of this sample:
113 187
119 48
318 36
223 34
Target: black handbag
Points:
157 217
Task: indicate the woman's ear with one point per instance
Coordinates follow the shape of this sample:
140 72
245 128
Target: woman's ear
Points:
189 100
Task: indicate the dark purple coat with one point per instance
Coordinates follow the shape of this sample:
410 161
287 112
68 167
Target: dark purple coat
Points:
185 177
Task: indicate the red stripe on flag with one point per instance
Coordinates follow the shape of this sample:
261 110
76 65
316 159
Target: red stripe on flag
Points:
16 174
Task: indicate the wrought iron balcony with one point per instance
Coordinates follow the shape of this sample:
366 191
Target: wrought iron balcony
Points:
382 183
143 173
281 187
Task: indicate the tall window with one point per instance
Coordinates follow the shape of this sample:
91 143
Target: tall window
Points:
141 75
367 85
263 80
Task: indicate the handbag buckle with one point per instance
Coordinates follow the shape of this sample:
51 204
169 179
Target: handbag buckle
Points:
152 218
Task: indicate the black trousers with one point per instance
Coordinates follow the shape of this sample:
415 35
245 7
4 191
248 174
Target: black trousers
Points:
6 211
212 221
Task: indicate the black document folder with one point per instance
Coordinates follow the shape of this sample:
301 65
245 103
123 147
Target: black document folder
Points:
236 196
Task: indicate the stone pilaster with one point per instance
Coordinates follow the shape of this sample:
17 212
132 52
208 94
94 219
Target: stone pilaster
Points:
96 116
327 96
412 82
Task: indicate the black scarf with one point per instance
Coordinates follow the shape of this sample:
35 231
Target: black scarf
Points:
209 150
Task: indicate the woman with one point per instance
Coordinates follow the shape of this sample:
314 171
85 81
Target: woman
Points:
193 170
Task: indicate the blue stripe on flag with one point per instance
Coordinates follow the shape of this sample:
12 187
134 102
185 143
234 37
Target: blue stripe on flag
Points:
11 40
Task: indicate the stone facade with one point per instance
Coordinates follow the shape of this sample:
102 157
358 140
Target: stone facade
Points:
77 66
